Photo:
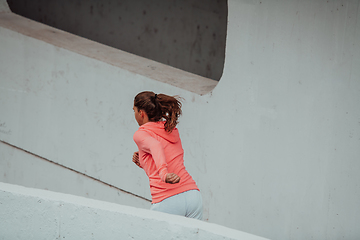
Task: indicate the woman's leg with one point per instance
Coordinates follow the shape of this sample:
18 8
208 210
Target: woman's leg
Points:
188 204
194 205
173 205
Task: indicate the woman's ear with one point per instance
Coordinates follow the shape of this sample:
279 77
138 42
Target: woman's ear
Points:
144 117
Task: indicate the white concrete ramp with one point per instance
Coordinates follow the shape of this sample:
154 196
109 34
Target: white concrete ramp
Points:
28 213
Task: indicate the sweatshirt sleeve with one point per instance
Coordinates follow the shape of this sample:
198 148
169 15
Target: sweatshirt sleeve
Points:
148 144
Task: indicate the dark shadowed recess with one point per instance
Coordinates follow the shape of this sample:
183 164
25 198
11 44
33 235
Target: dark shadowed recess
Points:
185 34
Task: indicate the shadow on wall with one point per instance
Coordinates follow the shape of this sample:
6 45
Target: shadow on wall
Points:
188 35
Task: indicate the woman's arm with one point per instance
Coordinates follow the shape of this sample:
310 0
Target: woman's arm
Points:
135 159
152 146
172 178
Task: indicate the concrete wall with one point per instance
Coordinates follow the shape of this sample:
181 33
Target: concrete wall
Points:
23 168
274 147
37 214
186 34
4 7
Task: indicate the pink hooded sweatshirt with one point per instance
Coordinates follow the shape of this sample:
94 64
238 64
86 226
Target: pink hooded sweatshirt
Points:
160 153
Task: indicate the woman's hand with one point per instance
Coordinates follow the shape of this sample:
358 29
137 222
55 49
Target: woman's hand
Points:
172 178
135 159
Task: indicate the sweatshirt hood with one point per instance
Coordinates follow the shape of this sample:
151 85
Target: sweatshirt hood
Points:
159 129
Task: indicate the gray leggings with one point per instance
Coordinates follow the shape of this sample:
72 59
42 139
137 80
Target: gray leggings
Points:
188 204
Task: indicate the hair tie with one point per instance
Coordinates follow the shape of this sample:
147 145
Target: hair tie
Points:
155 96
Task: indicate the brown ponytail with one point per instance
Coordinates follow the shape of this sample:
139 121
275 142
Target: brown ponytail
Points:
160 106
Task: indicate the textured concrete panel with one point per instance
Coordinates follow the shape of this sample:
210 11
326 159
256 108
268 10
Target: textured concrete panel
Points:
36 214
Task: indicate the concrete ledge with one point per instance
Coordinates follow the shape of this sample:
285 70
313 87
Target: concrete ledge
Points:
133 63
28 213
4 7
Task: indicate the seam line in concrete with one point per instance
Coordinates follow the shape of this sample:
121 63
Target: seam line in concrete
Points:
78 172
